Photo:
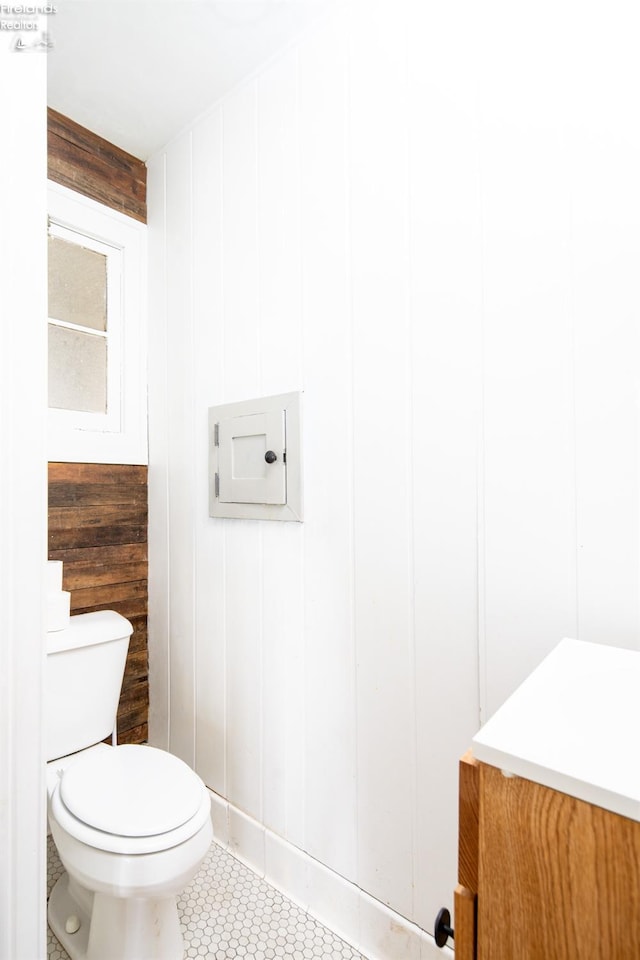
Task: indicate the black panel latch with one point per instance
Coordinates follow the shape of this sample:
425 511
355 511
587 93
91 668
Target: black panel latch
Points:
443 929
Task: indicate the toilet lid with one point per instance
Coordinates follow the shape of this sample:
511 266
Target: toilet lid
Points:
131 791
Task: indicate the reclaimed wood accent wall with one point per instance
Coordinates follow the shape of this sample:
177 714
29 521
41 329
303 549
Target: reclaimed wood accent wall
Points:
98 512
98 528
84 162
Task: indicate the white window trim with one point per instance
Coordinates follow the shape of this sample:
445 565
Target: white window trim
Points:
120 435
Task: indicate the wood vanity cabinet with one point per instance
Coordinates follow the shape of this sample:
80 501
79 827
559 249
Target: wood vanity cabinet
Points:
542 875
549 819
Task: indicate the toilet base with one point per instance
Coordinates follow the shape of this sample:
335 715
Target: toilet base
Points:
61 906
129 929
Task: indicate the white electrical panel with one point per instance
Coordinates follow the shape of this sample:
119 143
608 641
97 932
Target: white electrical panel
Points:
255 469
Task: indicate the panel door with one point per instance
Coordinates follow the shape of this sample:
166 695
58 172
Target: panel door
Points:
248 471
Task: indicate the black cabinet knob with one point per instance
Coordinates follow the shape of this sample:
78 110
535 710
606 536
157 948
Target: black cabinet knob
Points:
270 456
443 929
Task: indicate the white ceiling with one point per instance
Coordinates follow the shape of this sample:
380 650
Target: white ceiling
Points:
136 72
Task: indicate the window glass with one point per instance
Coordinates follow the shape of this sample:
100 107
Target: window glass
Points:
77 370
77 327
77 284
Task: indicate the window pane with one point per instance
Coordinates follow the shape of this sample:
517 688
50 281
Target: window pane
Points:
77 370
77 284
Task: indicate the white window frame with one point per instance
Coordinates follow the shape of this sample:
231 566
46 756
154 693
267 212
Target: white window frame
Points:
120 434
112 419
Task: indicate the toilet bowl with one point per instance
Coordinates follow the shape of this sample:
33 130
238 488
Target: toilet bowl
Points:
132 825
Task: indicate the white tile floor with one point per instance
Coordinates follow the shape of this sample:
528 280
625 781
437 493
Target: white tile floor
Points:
228 912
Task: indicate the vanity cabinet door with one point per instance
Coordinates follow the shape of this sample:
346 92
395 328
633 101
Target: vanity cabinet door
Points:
558 878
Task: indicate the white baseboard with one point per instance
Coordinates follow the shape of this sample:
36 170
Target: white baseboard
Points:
352 914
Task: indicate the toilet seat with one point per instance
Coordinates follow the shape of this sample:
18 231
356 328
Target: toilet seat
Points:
130 799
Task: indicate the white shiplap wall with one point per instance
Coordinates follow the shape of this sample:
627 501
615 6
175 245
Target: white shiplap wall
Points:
23 495
408 219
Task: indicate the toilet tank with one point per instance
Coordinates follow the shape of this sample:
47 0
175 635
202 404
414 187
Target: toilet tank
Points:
83 677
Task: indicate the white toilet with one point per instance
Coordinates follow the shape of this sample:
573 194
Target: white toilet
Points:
131 823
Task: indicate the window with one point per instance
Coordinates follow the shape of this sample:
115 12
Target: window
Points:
84 278
97 377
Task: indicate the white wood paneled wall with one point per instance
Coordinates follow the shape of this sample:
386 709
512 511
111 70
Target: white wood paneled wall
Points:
561 326
23 498
428 225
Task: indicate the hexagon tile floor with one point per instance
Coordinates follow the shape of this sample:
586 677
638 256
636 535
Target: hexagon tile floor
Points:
228 912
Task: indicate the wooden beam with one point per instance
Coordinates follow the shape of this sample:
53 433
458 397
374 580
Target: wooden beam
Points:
84 162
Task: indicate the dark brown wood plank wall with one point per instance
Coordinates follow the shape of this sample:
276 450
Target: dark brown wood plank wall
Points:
98 512
84 162
98 528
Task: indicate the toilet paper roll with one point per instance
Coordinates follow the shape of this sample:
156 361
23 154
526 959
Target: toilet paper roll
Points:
54 576
58 610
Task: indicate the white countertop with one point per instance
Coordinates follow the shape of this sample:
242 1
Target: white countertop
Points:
574 725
